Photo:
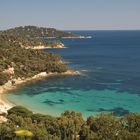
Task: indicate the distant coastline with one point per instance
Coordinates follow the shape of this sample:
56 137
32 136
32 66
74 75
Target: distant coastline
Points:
33 37
69 37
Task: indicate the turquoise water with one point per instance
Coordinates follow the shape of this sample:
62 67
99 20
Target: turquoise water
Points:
110 78
94 102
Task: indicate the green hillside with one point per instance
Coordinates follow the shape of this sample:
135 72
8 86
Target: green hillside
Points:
34 31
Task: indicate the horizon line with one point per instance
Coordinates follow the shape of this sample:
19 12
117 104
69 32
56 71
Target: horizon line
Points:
96 29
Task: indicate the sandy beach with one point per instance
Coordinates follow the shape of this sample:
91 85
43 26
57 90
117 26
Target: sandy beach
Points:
5 105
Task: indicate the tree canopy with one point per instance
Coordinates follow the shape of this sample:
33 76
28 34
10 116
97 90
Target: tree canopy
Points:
28 62
22 124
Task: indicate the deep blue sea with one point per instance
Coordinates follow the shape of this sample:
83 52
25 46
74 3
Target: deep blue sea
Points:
110 80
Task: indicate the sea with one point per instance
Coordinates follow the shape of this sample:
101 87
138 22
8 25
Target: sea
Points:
109 63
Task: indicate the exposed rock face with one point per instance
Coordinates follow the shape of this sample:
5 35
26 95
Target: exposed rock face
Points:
54 45
9 70
3 119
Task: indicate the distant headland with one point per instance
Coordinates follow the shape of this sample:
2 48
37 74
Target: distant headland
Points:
35 32
33 37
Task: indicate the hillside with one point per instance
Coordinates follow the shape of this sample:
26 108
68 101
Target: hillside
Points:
26 42
17 62
33 31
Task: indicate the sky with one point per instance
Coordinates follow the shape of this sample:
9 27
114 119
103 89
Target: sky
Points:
71 14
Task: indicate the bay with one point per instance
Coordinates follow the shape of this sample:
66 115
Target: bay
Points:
110 67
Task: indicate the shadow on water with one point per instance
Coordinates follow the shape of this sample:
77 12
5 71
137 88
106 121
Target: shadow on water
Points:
52 103
82 83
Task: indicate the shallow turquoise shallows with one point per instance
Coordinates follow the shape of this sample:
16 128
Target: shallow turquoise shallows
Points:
89 103
109 63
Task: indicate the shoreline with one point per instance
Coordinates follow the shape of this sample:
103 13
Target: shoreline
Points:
7 87
71 37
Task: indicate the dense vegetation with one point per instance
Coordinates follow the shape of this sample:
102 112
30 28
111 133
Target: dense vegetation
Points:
22 124
32 36
25 42
28 62
33 31
4 78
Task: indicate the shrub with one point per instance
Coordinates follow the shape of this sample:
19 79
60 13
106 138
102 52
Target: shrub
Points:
22 133
4 78
21 111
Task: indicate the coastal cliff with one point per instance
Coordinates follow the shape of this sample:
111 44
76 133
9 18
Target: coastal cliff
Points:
51 45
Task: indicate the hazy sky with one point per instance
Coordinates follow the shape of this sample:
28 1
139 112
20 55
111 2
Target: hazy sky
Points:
71 14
